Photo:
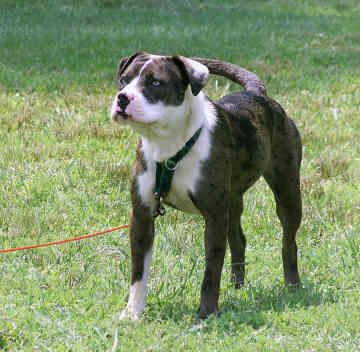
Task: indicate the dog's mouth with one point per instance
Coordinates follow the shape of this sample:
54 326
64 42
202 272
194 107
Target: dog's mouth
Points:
120 115
124 115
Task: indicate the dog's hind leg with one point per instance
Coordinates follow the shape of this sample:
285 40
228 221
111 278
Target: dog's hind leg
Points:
288 209
237 244
283 177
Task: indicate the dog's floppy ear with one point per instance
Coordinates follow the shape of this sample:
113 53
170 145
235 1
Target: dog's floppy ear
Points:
125 62
196 73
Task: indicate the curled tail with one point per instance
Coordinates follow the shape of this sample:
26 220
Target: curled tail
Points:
249 80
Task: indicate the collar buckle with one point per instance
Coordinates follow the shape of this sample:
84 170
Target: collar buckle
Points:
171 165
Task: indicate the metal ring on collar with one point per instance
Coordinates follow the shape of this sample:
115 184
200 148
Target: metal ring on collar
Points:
173 165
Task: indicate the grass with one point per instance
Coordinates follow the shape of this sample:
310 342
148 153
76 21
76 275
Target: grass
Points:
64 170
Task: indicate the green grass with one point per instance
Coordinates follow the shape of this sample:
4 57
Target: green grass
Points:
64 171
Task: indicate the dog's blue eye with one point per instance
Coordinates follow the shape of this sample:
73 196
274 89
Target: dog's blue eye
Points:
123 81
155 83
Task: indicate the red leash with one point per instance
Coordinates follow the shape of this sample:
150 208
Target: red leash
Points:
64 241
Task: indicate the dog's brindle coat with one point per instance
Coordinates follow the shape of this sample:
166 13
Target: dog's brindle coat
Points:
252 136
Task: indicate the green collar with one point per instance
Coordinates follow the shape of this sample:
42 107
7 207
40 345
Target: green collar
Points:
165 171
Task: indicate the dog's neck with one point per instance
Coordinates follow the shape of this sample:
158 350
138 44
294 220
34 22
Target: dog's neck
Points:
164 139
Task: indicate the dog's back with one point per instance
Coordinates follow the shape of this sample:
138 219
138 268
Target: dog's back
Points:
247 111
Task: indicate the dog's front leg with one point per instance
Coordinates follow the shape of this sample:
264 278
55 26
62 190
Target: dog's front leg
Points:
215 246
141 241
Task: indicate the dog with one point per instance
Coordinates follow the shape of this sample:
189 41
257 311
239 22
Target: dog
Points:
200 157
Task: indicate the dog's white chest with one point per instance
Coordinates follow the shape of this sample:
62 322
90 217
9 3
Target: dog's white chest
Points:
185 180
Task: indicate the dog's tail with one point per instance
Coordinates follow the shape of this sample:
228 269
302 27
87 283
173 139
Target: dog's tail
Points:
249 80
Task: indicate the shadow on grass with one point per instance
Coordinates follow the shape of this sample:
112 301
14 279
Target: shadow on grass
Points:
246 306
277 298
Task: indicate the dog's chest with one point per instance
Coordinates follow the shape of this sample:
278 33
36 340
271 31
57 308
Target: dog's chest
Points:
185 180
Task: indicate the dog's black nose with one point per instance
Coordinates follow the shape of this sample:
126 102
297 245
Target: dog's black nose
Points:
123 101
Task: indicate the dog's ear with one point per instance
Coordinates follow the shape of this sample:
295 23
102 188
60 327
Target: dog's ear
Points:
125 62
196 73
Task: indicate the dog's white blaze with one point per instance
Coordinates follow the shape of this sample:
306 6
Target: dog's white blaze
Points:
138 292
152 57
202 113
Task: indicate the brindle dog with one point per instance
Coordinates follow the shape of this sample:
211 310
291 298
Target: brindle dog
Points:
245 135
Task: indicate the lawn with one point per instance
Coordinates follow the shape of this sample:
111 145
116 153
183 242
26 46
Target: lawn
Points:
65 168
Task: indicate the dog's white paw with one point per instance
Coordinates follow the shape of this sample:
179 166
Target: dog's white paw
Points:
128 314
136 302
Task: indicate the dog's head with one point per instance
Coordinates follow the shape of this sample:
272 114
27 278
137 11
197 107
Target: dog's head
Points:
153 88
